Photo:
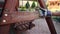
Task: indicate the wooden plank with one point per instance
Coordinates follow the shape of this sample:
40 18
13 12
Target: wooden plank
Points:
51 25
14 16
4 29
48 19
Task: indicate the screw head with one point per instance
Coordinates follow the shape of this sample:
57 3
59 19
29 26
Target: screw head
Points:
4 20
6 14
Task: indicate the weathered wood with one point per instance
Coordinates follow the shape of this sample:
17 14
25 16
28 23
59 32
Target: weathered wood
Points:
48 19
13 15
24 27
51 25
4 29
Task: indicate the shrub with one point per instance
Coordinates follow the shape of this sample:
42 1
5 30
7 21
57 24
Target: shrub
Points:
27 5
57 18
33 5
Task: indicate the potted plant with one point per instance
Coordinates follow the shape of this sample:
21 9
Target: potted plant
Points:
27 5
33 6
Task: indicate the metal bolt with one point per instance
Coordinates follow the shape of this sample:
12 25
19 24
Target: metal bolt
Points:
4 20
6 14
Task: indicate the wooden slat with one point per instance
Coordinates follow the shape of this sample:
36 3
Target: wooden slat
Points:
18 17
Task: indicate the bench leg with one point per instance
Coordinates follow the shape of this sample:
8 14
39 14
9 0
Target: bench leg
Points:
50 25
4 29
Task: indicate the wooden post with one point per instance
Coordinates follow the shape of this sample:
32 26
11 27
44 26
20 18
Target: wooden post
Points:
9 5
51 25
48 19
4 29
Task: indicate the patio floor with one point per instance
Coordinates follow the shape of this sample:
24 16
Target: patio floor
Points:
42 28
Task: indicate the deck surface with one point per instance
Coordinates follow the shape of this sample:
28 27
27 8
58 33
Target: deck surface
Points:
40 28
